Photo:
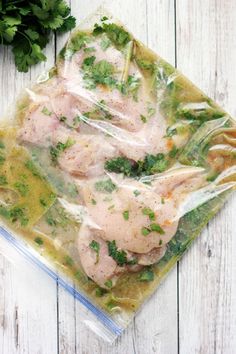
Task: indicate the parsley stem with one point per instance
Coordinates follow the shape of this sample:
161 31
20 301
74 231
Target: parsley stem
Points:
129 52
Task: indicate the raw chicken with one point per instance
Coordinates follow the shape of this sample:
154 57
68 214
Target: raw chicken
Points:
99 267
146 215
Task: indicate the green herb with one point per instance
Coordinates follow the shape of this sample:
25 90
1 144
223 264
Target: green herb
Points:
93 201
150 165
89 50
105 43
173 152
162 200
2 145
60 147
43 202
2 160
126 214
22 188
95 246
3 180
170 132
27 27
88 62
14 214
51 221
30 165
130 87
99 73
46 111
143 118
145 231
119 165
68 261
146 275
149 212
136 192
100 292
212 176
108 283
146 64
106 186
117 35
39 241
151 111
157 228
62 118
119 256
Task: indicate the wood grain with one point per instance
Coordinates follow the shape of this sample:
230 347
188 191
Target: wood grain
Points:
206 49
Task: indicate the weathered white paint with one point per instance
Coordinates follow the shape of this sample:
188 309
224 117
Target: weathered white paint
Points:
206 52
36 316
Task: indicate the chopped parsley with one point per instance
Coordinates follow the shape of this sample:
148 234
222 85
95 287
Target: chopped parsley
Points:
136 192
68 261
62 118
119 165
46 111
93 201
152 228
100 292
97 73
60 147
3 180
126 214
170 132
117 35
2 160
119 256
106 186
146 275
150 165
157 228
143 118
149 212
2 145
39 241
30 165
173 152
145 231
14 214
89 49
95 246
105 43
108 283
22 188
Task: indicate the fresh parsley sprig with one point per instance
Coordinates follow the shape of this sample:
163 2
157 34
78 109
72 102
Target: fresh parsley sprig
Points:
27 25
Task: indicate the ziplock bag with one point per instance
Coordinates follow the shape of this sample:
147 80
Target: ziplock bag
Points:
110 167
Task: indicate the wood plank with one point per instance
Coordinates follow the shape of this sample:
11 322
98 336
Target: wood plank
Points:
153 23
206 52
28 303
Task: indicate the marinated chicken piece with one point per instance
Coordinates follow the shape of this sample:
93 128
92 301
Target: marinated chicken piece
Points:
39 124
146 215
151 257
86 154
99 266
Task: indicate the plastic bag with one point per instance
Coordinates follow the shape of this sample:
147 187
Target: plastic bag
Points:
111 167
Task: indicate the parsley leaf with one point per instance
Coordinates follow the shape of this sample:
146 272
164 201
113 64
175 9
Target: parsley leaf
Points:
27 26
95 246
106 186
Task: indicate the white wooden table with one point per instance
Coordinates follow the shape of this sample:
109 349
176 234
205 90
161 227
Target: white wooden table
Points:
194 310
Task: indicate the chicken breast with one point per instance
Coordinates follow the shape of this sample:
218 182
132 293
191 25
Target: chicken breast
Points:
146 215
99 266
